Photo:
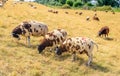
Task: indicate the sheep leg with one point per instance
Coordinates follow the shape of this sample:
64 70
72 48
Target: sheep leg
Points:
89 59
28 41
74 56
105 35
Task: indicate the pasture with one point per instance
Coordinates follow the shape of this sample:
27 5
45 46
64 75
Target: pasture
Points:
17 59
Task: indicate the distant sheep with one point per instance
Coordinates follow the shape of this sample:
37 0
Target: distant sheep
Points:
2 2
106 11
87 18
55 12
50 10
104 31
76 12
30 28
80 13
66 12
52 39
113 12
77 45
95 17
95 10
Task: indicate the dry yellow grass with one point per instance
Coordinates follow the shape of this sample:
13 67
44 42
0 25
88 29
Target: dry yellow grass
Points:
16 59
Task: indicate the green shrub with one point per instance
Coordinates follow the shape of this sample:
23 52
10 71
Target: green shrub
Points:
85 7
69 2
62 1
89 4
103 8
52 3
66 6
58 4
77 4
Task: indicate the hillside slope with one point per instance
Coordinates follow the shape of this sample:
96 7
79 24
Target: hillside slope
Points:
16 59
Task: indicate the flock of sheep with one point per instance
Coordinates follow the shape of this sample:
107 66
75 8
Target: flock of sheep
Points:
57 39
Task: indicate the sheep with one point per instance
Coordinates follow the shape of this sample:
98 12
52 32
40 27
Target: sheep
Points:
53 38
95 17
66 12
113 12
106 11
103 31
87 18
50 10
55 12
80 13
77 45
29 28
76 12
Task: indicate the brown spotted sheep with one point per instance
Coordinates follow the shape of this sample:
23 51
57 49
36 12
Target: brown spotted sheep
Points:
52 39
30 28
77 45
103 31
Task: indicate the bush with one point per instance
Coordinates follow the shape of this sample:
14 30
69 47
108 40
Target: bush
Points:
77 4
103 8
58 4
52 3
66 6
85 7
69 2
62 1
89 4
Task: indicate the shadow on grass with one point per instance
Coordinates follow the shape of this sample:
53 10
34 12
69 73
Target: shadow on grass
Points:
99 67
94 66
25 45
62 57
18 44
108 38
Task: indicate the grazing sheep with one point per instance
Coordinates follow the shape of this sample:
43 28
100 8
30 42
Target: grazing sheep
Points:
53 38
77 45
76 12
31 5
95 14
55 12
66 12
50 10
35 7
103 31
113 12
95 17
2 2
80 13
95 10
106 11
30 28
87 18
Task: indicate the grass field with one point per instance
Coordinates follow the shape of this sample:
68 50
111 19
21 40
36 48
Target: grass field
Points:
16 59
